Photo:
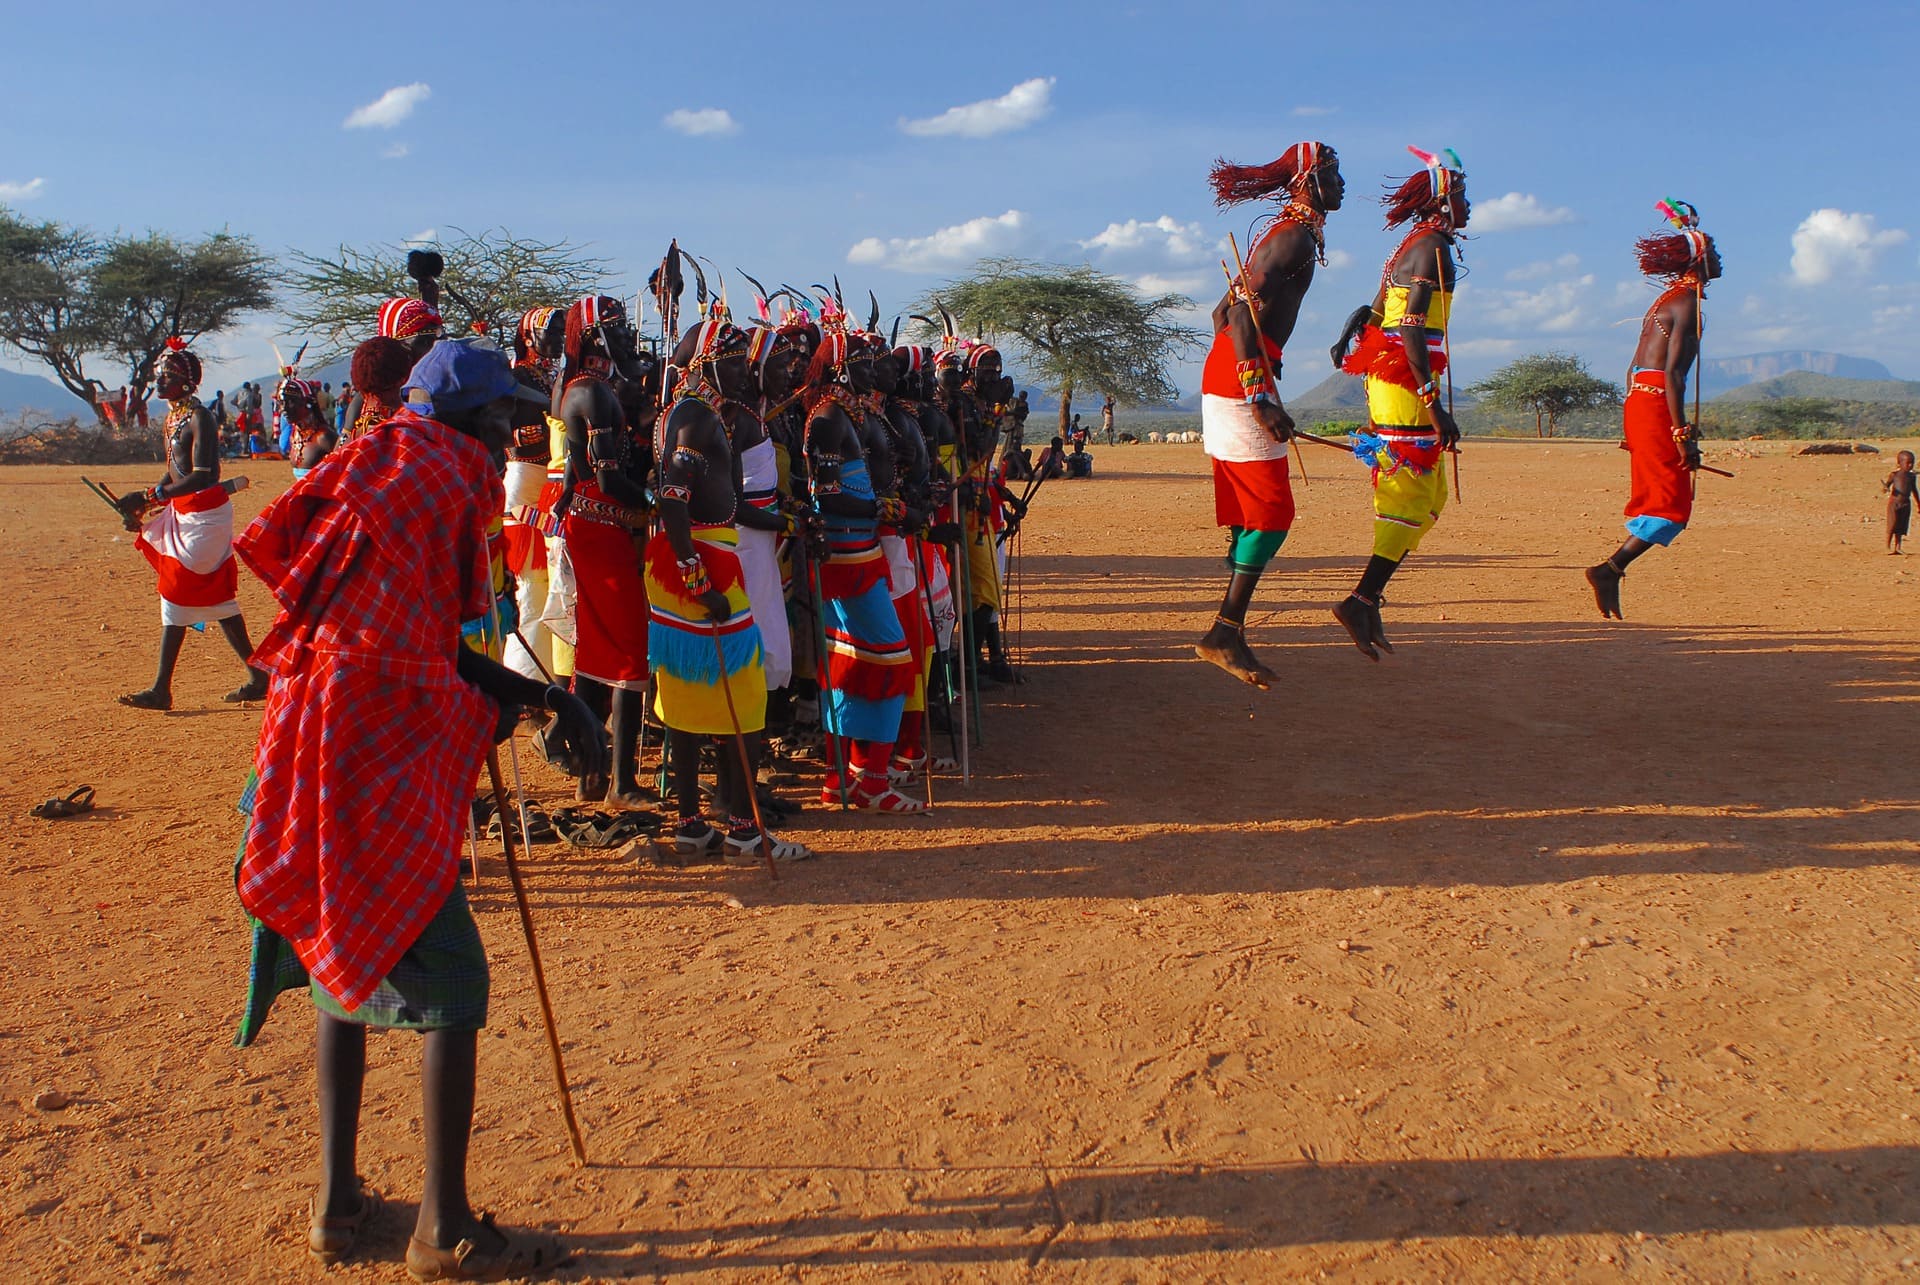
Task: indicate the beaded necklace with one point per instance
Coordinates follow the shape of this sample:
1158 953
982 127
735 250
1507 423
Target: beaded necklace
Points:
1440 223
1684 284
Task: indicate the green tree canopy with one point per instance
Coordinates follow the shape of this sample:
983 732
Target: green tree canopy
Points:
491 278
1795 416
1549 384
67 295
1073 327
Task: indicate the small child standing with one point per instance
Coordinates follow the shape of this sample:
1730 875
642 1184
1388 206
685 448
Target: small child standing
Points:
1899 486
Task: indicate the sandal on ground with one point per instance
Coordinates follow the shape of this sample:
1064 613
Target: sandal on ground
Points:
81 800
254 689
526 1254
331 1238
689 842
149 699
539 825
743 848
587 828
889 801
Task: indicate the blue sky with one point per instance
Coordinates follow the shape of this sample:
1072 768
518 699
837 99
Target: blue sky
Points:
893 145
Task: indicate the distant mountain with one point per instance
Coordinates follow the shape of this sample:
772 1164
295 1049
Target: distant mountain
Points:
20 392
1720 374
1338 391
334 373
1803 383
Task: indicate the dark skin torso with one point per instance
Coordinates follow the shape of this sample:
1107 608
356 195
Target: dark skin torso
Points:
314 439
1426 259
596 423
1669 342
831 433
193 455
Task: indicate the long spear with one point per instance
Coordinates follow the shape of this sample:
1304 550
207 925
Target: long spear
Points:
1446 351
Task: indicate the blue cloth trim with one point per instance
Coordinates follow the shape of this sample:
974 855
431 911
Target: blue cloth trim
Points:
1654 530
687 654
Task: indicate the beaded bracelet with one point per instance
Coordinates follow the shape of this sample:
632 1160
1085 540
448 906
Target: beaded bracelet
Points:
693 573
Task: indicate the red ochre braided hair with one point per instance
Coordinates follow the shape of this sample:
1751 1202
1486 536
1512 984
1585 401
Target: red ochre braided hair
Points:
1233 184
1426 191
1671 254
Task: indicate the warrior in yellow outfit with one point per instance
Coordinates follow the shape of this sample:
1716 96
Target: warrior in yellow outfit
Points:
1402 353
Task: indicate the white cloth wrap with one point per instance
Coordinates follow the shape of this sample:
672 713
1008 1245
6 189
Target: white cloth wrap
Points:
759 556
1230 433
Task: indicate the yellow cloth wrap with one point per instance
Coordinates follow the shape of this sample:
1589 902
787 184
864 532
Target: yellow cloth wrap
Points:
983 569
495 647
697 707
1439 308
1405 506
562 657
917 698
1389 403
556 444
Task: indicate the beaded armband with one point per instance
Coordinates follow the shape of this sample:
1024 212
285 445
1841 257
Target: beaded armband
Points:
1428 393
1414 319
693 574
1256 385
673 491
890 510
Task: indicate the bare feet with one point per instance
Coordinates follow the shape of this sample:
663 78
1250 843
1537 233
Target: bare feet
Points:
254 689
152 698
1357 618
1228 649
629 798
1605 579
591 789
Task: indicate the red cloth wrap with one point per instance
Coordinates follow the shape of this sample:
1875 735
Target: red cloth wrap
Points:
370 742
1383 355
181 584
1661 485
722 565
1255 494
1221 375
610 615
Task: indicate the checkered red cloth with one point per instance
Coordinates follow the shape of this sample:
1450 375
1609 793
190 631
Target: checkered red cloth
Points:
371 741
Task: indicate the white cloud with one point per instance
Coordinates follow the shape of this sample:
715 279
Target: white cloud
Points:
1338 259
1165 236
1830 243
394 152
1517 210
1557 308
22 191
1896 315
422 238
1543 268
1018 108
949 247
1308 110
1189 284
699 121
389 109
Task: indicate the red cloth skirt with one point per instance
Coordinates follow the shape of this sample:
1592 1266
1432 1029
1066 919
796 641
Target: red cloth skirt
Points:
1662 487
611 612
1255 494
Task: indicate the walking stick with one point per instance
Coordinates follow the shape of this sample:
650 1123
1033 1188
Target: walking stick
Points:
473 848
964 564
1259 335
827 734
539 970
1446 350
746 762
946 675
1699 327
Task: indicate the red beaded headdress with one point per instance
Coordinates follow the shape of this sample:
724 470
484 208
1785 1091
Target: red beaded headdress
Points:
1670 255
405 318
1233 184
1433 186
177 355
586 314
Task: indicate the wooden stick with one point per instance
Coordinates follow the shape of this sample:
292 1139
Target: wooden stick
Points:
1259 335
1446 350
539 970
1699 321
820 666
746 762
1717 472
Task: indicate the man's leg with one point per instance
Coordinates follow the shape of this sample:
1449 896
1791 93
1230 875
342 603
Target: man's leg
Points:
342 1064
692 833
160 695
446 1099
1225 643
255 688
598 698
629 713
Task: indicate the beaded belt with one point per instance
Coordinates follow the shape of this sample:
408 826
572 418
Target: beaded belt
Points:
1655 389
610 514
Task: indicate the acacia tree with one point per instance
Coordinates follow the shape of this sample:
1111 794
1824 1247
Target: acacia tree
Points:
1549 384
67 296
1796 416
1073 327
491 278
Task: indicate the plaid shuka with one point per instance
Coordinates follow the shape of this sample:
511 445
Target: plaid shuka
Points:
371 742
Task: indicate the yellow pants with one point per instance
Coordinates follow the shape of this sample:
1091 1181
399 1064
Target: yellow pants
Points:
983 569
1406 504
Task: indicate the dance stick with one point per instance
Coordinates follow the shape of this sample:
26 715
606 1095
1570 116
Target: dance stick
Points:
827 734
1708 468
1259 335
1446 350
539 969
946 675
746 764
1699 323
473 847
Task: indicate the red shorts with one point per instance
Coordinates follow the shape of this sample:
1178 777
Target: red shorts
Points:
1254 494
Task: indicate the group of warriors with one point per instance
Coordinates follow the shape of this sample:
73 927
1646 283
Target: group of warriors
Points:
1399 343
783 521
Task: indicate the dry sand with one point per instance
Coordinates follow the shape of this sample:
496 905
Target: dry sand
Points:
1548 948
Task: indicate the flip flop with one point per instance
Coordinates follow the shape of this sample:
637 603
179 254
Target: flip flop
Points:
81 800
331 1239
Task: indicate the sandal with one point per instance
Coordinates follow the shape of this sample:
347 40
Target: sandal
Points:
254 689
689 842
149 699
586 828
539 825
331 1239
889 801
81 800
526 1255
743 848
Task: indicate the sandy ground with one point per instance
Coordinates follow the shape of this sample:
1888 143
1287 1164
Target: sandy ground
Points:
1548 948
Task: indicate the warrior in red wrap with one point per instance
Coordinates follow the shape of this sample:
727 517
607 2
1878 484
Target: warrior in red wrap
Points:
375 728
604 510
1242 421
1402 354
1664 447
185 526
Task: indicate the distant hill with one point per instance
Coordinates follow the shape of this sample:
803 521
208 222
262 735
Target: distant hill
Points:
1722 374
1338 391
334 373
20 392
1804 383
